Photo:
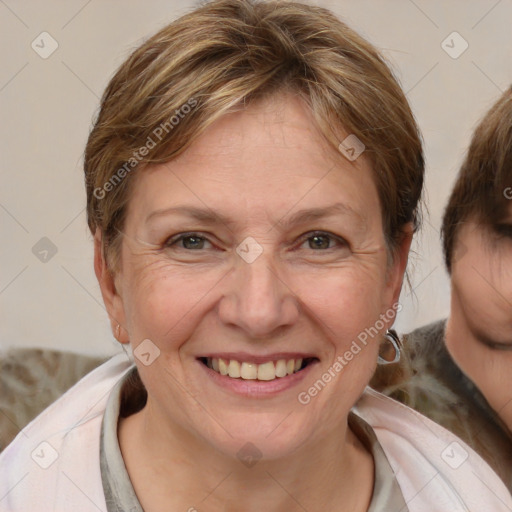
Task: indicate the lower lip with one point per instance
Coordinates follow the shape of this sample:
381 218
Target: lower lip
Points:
257 388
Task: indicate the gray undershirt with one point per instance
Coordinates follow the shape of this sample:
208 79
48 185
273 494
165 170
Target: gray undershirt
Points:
120 495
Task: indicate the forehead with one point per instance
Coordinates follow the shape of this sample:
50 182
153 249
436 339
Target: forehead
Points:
268 157
274 130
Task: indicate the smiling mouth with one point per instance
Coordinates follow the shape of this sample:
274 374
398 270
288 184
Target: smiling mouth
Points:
267 371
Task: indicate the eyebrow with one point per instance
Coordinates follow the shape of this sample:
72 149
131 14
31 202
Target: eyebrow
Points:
312 214
208 216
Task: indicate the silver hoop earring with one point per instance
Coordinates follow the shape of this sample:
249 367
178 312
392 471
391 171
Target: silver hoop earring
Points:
392 337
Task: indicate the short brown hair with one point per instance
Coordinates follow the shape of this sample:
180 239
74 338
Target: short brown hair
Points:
480 192
227 53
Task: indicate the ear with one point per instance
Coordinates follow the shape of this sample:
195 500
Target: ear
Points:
398 266
111 298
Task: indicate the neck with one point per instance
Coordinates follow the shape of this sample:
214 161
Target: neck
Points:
169 467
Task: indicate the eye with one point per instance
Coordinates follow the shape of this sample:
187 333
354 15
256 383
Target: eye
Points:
320 240
188 241
503 230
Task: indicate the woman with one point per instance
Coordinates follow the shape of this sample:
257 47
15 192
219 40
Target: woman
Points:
253 181
458 371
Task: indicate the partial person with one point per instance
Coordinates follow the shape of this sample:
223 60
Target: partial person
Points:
253 185
458 371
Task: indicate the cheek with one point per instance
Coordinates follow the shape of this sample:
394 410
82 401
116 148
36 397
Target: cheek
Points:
485 292
346 308
344 301
502 278
162 302
168 304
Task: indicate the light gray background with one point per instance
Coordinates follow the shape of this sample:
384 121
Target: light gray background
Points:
47 106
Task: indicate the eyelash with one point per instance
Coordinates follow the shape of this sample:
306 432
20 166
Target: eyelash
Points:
504 230
172 241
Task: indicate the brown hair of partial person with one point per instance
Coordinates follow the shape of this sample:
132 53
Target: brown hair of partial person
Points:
227 53
480 192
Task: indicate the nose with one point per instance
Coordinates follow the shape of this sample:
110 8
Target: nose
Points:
258 300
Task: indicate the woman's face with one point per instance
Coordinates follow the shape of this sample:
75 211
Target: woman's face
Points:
256 247
480 327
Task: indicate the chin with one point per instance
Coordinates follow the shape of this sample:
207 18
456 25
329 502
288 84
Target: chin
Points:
261 438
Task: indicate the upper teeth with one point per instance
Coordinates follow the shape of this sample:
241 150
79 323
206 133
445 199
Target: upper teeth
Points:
252 371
